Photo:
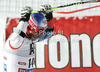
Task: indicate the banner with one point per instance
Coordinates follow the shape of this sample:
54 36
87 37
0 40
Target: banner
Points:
74 46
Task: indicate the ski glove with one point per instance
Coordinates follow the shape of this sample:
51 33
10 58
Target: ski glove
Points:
44 10
25 13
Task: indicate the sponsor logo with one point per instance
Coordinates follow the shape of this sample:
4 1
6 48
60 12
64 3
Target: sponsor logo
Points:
21 63
5 68
44 22
25 70
5 58
30 70
22 70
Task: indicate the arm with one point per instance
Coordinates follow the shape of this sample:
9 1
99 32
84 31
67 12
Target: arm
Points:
17 37
49 16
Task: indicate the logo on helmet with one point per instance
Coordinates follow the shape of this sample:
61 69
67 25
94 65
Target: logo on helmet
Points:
45 22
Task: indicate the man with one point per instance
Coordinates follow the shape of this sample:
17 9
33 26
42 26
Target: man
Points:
19 51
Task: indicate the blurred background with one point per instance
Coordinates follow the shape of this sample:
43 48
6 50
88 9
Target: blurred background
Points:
15 6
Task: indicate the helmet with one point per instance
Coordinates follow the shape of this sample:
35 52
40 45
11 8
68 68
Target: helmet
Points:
36 21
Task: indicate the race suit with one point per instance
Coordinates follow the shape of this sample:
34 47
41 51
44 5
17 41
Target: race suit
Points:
19 51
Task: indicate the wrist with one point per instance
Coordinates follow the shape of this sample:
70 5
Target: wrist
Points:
49 16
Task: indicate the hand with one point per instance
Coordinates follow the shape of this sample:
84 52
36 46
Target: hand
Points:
45 8
25 13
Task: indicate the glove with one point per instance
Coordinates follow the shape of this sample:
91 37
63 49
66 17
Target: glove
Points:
44 10
25 13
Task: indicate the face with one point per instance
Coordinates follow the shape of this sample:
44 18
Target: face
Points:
37 34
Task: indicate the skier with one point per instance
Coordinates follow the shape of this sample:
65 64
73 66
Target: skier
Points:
19 51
